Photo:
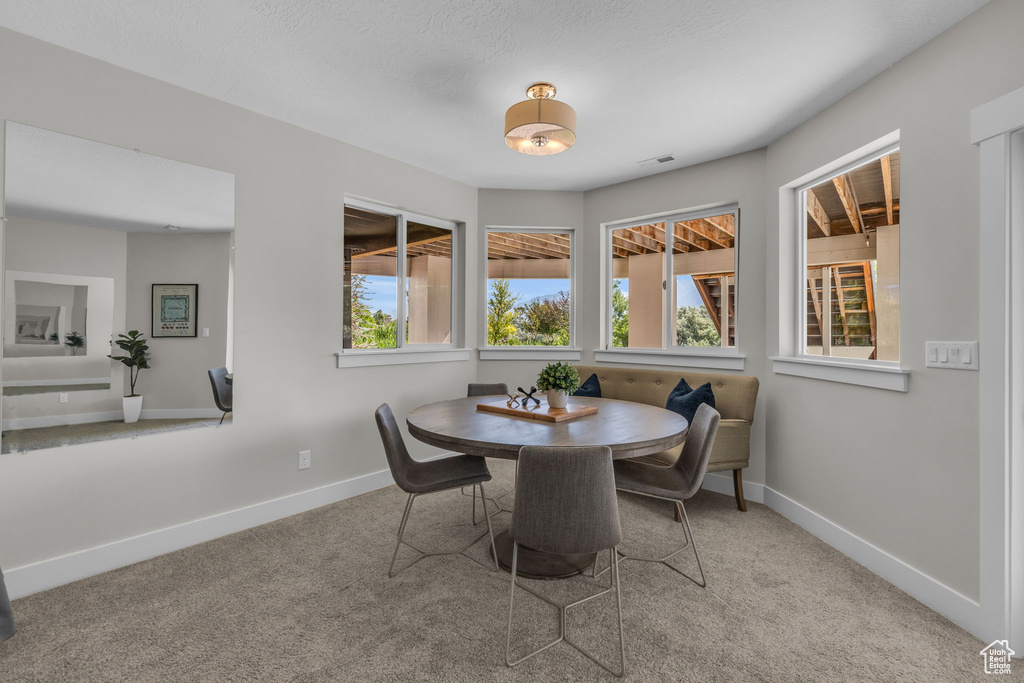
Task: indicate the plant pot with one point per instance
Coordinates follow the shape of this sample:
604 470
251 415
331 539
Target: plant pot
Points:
132 408
557 398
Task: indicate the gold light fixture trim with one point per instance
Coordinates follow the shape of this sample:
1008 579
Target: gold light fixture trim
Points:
540 126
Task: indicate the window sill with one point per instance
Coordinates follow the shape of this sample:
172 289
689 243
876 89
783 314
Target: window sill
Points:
723 360
530 353
891 378
356 358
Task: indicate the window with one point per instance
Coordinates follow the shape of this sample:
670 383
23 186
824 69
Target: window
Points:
382 248
694 307
850 236
529 287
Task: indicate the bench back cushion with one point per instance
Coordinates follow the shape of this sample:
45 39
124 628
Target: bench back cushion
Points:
735 395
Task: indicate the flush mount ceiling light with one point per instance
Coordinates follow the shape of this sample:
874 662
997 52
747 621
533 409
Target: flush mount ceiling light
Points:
540 125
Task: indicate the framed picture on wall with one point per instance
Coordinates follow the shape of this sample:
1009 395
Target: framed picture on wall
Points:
175 310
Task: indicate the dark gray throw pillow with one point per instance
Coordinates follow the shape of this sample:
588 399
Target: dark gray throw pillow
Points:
591 388
685 401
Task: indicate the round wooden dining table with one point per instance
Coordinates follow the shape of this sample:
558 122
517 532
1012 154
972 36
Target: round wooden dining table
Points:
629 429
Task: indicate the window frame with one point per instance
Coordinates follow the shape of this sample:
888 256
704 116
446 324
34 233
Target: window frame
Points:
404 352
713 357
793 358
519 352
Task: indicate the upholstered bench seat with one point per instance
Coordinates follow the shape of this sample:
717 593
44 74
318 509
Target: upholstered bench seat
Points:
735 397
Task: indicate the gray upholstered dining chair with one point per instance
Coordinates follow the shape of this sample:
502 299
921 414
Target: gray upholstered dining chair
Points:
480 389
675 483
566 504
221 391
6 614
419 478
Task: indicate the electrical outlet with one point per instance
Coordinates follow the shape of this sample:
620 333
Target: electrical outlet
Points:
304 458
206 331
63 397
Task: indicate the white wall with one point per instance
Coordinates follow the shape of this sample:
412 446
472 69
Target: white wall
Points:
177 378
289 394
901 470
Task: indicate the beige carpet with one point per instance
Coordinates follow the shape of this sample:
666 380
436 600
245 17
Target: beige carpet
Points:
307 599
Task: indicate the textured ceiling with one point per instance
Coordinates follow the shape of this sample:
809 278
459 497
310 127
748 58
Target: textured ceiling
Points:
428 81
56 177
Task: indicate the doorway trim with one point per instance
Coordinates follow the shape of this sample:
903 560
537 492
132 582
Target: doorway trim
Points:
998 129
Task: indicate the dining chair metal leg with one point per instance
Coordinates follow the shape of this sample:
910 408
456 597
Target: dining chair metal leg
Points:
401 533
490 531
563 611
422 554
687 542
493 500
497 504
686 521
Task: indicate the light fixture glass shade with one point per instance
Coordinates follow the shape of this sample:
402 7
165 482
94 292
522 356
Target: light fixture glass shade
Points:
540 127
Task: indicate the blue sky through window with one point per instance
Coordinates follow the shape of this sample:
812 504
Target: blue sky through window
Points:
382 293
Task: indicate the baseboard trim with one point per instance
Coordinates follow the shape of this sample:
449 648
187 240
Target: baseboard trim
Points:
57 571
83 418
722 483
59 420
168 413
956 607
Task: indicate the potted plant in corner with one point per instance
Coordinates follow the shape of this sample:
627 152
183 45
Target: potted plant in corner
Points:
558 380
136 358
74 341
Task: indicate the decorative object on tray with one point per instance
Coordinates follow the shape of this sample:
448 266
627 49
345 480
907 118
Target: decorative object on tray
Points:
541 413
559 380
513 400
137 358
175 310
529 396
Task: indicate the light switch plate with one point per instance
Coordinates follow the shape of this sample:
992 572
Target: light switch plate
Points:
951 355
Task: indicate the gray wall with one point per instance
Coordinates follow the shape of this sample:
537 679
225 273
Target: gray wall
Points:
897 470
177 378
902 470
290 396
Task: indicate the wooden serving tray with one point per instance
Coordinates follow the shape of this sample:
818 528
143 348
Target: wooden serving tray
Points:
541 413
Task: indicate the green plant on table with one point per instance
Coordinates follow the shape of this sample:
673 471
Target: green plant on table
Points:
559 376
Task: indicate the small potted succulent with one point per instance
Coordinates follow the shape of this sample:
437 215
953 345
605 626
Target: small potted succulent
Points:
136 358
558 380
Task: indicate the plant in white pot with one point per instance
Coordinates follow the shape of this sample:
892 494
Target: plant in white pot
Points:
136 358
558 380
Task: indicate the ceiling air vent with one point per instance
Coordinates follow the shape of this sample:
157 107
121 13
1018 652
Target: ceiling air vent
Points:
664 159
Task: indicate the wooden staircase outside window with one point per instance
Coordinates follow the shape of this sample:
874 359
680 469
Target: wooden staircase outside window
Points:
849 305
710 289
